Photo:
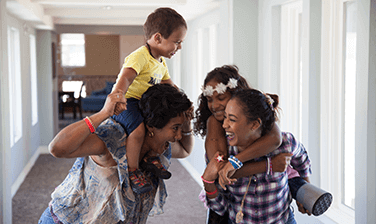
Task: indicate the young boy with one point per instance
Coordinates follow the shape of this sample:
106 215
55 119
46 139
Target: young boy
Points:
165 30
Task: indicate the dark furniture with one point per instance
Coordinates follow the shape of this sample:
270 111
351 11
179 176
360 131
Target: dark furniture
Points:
67 100
96 100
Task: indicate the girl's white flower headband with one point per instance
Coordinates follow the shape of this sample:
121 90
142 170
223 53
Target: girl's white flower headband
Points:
220 88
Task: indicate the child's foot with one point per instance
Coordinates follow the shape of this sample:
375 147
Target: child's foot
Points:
154 165
138 182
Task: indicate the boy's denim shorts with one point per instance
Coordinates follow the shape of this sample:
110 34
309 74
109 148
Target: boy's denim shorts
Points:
131 118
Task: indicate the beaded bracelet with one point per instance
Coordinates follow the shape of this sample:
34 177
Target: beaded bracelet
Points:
235 162
89 124
211 193
207 181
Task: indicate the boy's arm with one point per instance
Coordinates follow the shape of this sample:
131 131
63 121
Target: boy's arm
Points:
125 79
262 146
215 140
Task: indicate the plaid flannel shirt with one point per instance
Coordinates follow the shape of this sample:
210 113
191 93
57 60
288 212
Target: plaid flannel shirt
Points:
268 197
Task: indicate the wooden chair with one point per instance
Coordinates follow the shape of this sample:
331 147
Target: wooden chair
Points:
68 100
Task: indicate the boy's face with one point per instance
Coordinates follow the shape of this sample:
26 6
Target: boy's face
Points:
168 47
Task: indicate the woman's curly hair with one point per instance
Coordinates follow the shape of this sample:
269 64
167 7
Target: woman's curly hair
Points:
221 75
162 102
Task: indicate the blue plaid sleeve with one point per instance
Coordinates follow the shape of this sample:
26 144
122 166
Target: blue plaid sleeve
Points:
300 160
218 204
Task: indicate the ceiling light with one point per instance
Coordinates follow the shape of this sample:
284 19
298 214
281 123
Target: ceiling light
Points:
107 7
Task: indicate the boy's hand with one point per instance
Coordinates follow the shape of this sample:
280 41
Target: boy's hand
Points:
120 107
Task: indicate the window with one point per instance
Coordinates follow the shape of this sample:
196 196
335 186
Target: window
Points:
349 76
15 99
33 83
338 85
291 68
72 50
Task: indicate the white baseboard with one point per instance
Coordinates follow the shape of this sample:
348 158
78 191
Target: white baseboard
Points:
20 179
191 170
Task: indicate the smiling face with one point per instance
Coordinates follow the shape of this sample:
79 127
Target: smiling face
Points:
168 47
239 130
217 102
171 132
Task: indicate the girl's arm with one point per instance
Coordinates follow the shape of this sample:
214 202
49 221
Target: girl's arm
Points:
76 139
215 140
184 146
280 163
262 146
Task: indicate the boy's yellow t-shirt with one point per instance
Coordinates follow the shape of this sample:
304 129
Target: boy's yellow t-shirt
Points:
149 71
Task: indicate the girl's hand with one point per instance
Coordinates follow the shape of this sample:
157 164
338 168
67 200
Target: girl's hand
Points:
115 102
224 175
281 161
211 171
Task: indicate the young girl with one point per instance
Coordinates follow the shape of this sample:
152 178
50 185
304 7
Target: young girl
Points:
219 85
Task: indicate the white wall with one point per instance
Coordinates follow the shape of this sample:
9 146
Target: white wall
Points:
365 129
5 186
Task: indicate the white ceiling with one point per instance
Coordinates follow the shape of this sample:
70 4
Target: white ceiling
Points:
45 14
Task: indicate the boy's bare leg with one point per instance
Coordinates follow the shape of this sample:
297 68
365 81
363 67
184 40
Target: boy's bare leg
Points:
134 144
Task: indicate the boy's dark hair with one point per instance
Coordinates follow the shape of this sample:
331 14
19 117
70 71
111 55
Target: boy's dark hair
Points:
221 75
256 104
164 21
162 102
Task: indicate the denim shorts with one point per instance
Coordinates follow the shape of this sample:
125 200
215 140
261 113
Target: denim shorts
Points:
131 118
46 217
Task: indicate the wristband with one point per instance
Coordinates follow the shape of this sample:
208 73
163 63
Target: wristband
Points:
89 124
211 193
235 162
206 181
268 162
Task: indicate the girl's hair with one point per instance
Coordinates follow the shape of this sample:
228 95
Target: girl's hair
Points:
256 104
221 75
164 21
162 102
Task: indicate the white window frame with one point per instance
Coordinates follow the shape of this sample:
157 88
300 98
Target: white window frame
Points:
15 91
291 72
332 106
34 80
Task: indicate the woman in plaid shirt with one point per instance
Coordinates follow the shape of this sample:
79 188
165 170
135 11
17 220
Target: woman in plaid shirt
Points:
263 197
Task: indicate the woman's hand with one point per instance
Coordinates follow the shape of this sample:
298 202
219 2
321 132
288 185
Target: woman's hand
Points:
115 103
211 171
225 173
281 161
302 209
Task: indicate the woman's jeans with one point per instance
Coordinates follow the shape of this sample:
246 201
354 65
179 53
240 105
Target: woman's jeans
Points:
46 217
291 219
